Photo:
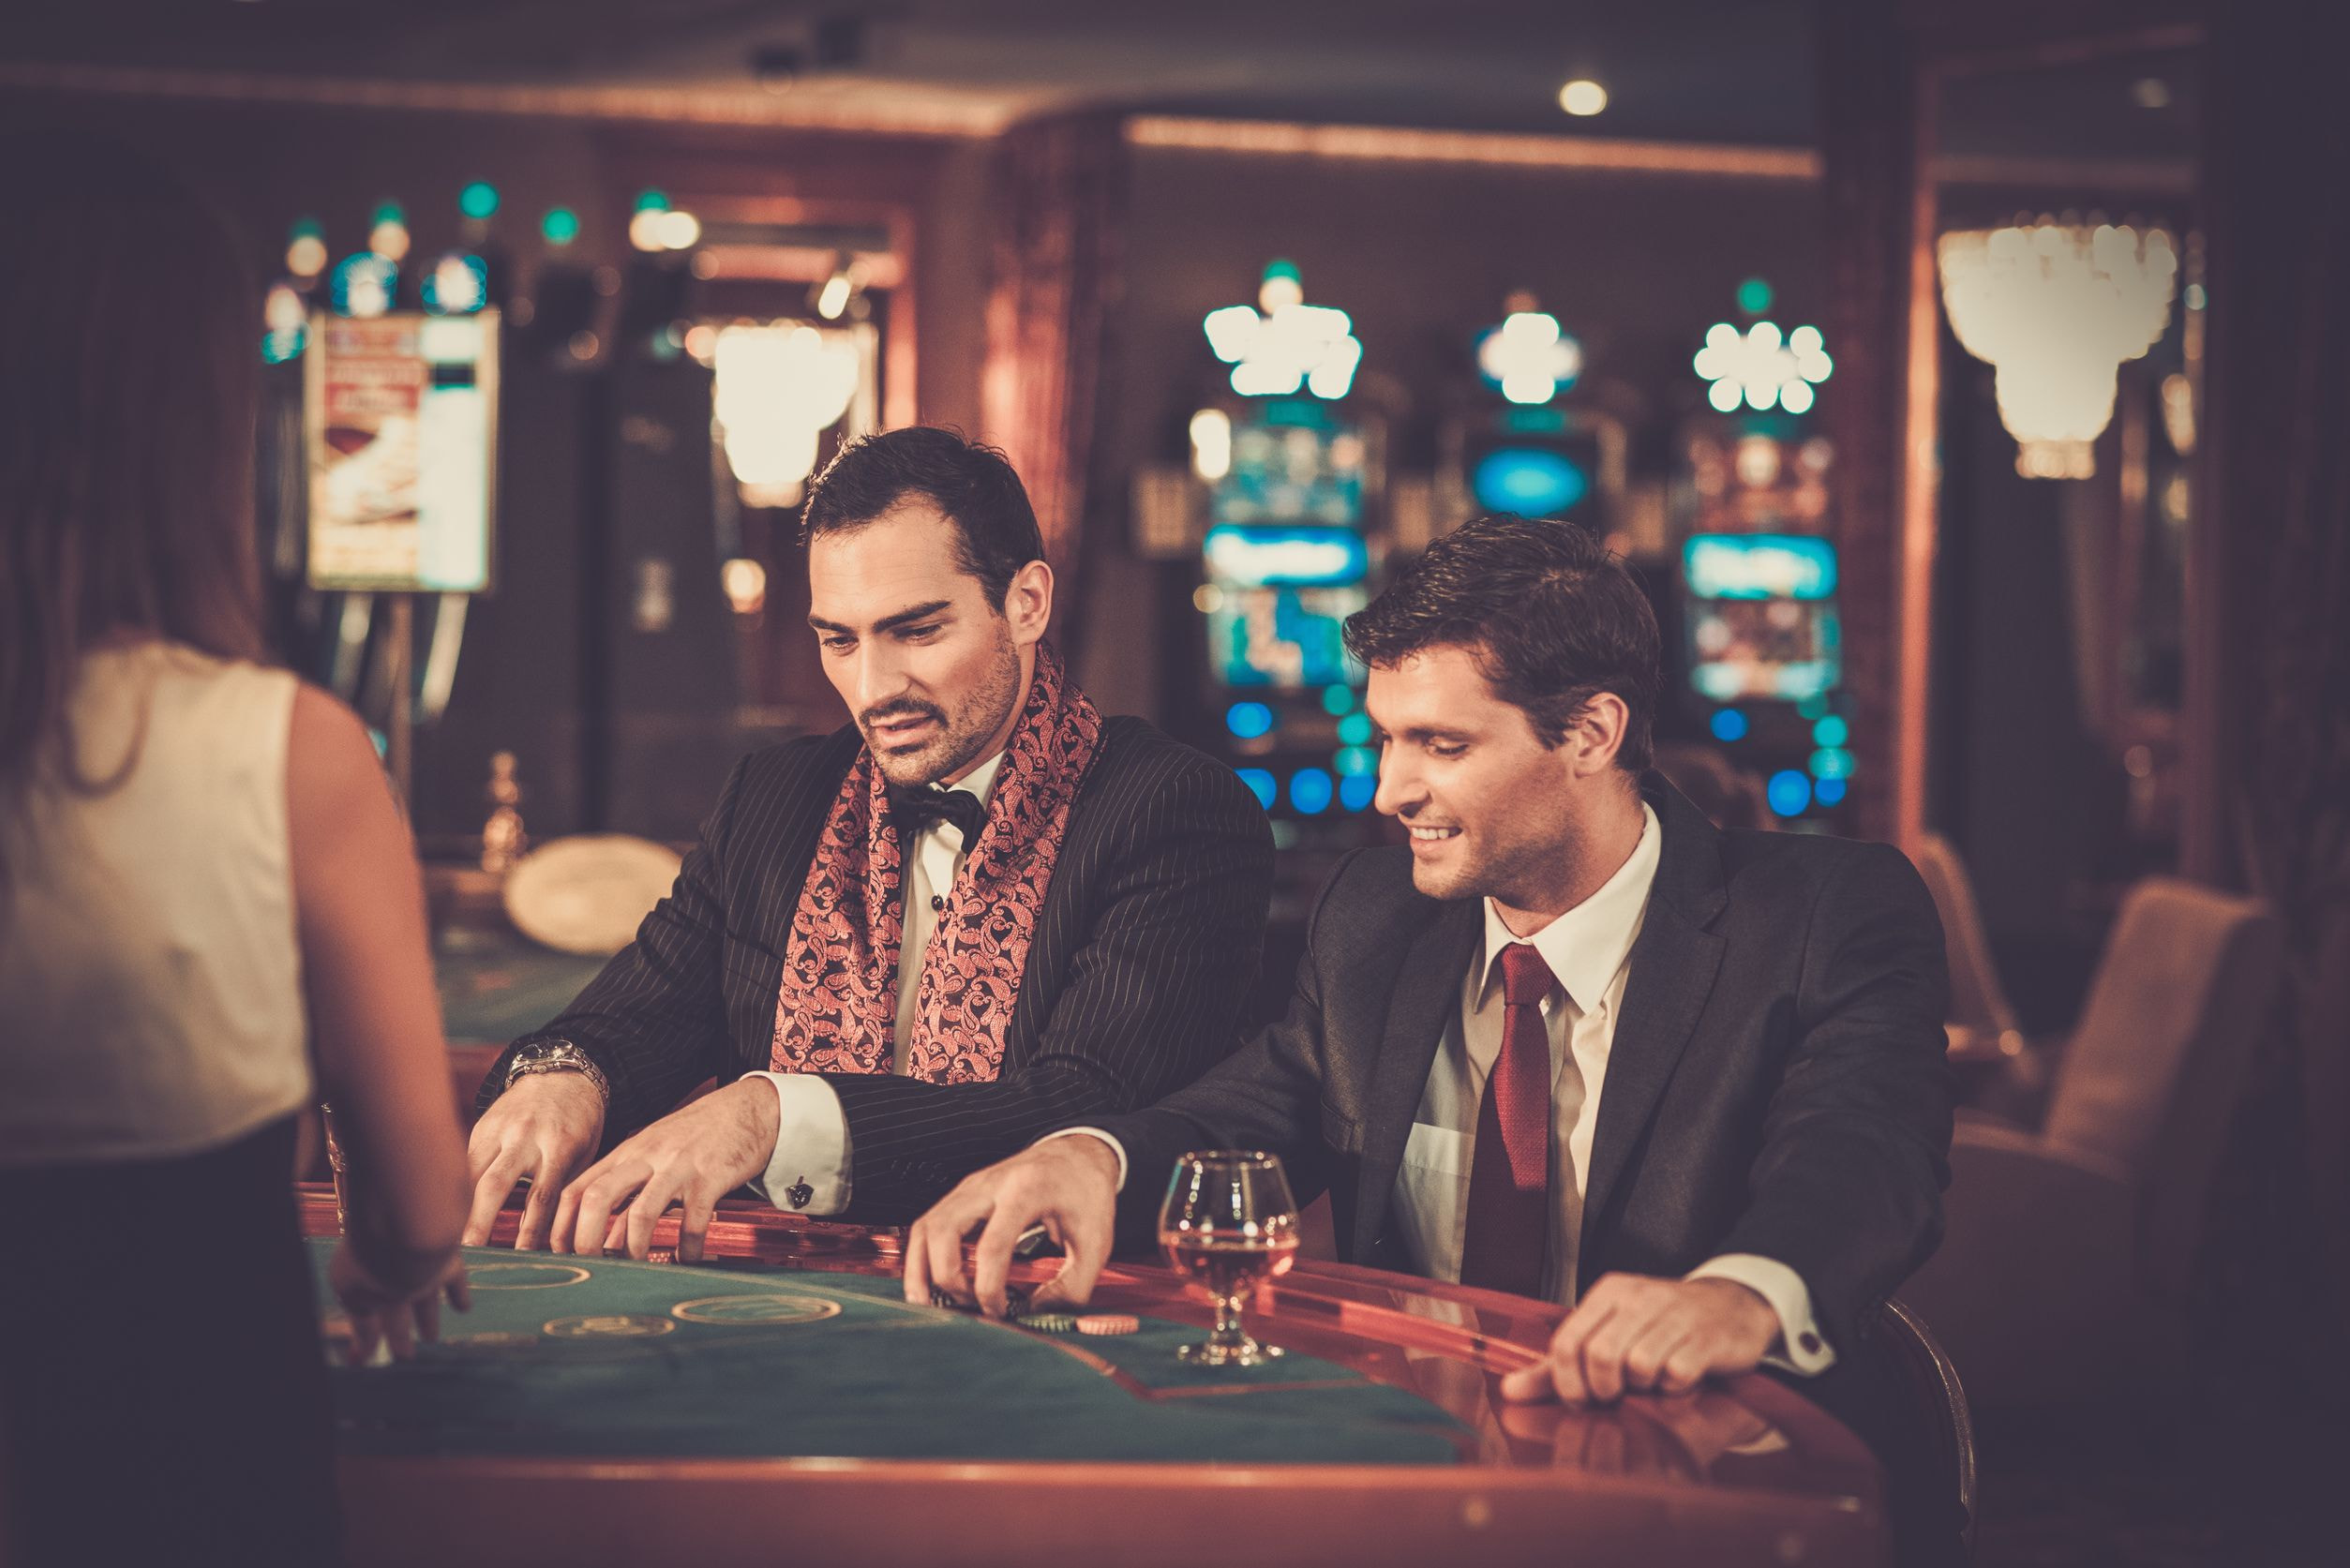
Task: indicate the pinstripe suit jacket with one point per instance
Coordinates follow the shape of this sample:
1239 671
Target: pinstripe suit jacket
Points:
1144 953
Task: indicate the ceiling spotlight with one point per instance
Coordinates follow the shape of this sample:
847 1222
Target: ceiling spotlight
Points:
1582 98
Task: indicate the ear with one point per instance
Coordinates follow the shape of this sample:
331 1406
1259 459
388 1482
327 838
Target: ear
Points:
1028 602
1596 734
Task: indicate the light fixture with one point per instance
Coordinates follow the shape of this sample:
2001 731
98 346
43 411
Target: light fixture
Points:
362 285
387 236
1761 369
458 285
1290 345
832 301
2055 307
1582 98
1527 356
679 230
1212 444
644 224
305 250
286 315
779 388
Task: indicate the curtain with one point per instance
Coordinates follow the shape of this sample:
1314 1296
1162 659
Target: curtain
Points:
2278 571
1057 222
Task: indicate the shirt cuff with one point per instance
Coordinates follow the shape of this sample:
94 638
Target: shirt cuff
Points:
1802 1348
1116 1148
808 1172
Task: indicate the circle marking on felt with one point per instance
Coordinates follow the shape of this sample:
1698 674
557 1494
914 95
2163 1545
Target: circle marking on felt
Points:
764 1310
609 1325
524 1277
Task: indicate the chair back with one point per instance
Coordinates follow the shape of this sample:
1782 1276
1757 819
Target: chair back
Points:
1977 999
2150 1077
1930 1386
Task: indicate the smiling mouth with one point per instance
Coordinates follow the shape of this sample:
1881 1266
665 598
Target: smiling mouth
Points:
1432 835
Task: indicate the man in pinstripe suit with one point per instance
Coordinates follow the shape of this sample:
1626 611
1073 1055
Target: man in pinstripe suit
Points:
906 948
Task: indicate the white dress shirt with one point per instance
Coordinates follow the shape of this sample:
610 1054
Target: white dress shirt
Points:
811 1156
1588 949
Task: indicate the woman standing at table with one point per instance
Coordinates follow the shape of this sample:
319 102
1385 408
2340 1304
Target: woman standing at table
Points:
207 895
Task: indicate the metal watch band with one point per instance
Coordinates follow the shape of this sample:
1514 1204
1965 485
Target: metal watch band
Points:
555 1055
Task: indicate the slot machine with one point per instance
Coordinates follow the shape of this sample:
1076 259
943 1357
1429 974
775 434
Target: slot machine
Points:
1293 481
1759 662
1517 442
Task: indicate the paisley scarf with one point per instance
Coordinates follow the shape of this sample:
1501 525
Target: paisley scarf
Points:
839 996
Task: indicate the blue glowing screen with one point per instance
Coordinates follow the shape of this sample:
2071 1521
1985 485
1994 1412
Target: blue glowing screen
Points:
1531 481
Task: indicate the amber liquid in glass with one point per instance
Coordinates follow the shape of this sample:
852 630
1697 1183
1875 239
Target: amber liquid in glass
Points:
1229 1265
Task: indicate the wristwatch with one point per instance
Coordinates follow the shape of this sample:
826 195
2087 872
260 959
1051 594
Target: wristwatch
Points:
555 1055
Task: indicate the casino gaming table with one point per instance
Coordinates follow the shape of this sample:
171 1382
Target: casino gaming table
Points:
496 984
781 1402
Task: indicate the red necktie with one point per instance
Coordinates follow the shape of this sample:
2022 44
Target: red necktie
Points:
1509 1179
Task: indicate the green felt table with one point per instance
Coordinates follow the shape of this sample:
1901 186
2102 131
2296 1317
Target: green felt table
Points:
597 1356
783 1403
497 983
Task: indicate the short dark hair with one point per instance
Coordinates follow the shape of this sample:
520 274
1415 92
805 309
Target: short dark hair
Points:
972 483
1550 616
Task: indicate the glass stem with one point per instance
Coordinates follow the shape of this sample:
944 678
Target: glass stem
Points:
1228 1336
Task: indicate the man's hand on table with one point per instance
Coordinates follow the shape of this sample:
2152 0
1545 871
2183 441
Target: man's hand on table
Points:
545 1127
1070 1186
694 1156
1634 1334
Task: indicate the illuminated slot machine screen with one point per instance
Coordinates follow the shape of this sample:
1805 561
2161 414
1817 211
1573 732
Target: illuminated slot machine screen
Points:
1761 616
1285 557
402 422
1283 596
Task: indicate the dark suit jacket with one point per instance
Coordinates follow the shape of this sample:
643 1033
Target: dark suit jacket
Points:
1776 1085
1146 949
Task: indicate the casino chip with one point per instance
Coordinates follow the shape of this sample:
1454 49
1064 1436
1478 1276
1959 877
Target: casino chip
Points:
1049 1322
1109 1322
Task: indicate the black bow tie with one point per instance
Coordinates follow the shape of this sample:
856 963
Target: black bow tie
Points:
918 807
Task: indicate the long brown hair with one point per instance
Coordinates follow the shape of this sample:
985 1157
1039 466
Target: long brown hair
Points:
128 363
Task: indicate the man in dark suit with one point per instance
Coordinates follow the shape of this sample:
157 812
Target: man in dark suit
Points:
908 948
1574 1041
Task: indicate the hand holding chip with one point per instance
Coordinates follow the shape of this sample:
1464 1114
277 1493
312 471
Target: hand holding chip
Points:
1070 1186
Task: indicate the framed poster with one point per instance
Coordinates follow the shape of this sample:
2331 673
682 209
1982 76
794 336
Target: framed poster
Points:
402 424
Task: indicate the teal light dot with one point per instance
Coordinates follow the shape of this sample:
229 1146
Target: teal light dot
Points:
1831 762
1790 792
1814 706
478 200
1831 731
1355 762
1281 268
306 228
390 211
1311 791
653 201
1338 700
1754 296
560 226
1354 729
